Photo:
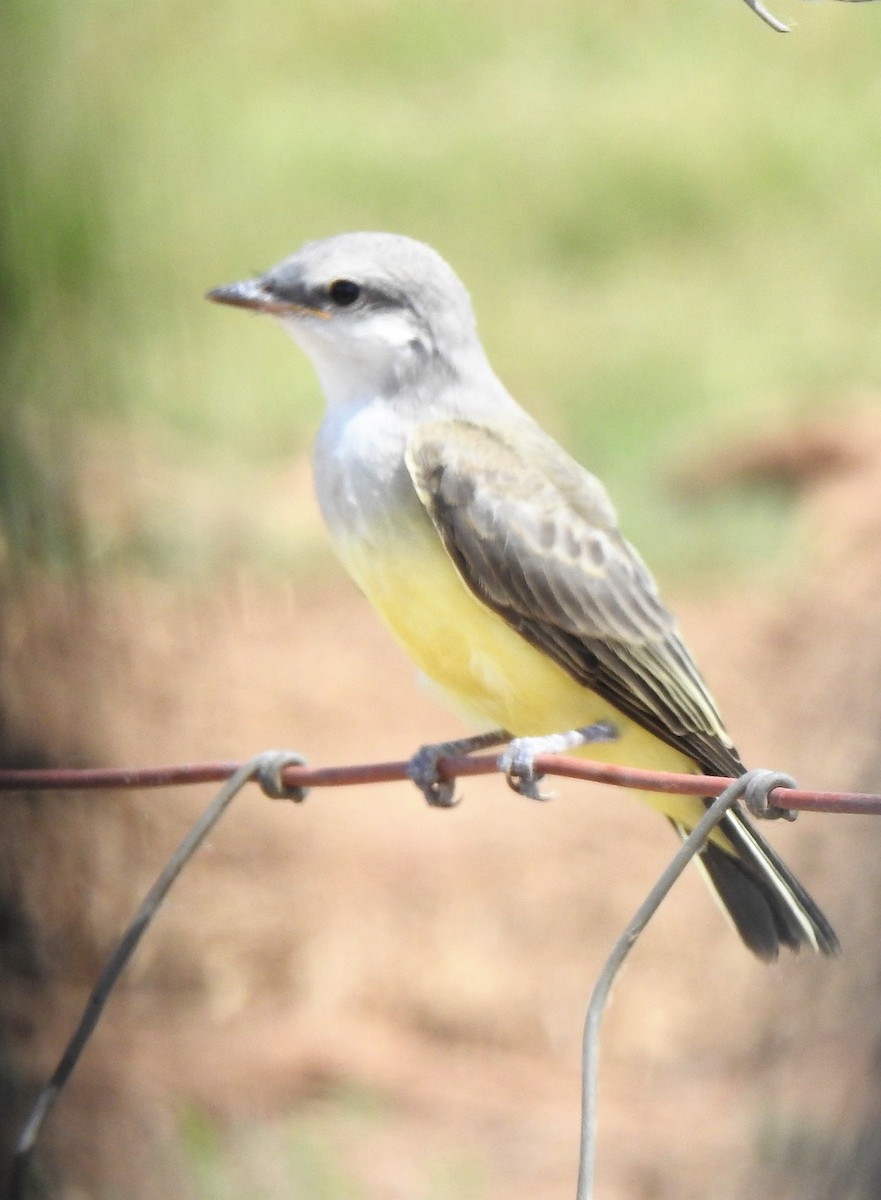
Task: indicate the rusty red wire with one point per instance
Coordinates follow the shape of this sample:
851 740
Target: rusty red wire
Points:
85 779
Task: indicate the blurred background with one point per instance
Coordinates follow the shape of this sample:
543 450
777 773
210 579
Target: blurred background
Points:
668 217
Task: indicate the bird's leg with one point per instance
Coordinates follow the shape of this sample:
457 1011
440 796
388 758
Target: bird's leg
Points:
518 761
422 767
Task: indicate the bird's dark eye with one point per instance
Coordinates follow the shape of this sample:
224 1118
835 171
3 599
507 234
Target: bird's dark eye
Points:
344 292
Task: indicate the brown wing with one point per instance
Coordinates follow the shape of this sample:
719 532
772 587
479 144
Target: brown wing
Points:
534 536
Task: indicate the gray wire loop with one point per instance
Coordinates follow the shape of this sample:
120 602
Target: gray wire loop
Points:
759 786
270 775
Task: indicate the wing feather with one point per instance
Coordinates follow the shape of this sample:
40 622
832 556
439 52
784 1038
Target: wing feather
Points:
535 537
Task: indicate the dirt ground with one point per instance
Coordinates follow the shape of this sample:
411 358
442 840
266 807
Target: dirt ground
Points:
360 997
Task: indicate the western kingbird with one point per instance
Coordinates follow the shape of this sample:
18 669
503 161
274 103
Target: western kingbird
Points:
494 557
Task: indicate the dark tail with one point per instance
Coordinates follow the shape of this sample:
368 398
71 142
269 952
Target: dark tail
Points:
767 904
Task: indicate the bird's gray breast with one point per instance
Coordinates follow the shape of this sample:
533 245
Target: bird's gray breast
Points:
361 478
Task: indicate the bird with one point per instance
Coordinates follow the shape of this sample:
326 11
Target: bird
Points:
496 559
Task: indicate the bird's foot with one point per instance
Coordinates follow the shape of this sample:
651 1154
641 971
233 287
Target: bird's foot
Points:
422 767
518 761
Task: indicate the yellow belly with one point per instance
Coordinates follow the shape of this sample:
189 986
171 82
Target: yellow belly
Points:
489 674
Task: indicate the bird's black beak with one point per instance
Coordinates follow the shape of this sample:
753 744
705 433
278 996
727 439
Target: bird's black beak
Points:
259 297
249 293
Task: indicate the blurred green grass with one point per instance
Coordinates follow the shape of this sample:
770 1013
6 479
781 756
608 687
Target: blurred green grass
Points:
327 1148
668 217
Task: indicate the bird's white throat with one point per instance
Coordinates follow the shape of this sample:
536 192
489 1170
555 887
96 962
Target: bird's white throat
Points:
359 356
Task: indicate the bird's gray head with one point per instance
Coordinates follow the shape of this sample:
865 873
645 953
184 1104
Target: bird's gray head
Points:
374 311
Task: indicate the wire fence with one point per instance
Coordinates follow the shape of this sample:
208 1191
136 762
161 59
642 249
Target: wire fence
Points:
449 768
284 774
768 17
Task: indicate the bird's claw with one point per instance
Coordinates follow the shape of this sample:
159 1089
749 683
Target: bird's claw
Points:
422 770
518 764
422 767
